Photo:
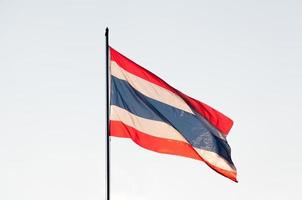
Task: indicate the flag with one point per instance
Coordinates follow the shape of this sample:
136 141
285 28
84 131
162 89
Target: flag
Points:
160 118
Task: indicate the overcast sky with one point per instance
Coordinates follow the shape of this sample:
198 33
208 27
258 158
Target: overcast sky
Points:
244 58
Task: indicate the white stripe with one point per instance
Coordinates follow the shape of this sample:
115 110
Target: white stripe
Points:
150 89
147 126
215 159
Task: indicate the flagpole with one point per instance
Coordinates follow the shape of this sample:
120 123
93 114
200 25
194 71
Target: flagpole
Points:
107 119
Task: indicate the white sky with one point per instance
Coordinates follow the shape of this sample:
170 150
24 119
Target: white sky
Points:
241 57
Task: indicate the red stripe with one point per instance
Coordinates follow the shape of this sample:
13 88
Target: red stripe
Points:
161 145
217 119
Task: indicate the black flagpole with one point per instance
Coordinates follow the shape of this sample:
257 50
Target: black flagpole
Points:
107 119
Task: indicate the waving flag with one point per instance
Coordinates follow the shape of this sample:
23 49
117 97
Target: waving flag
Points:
160 118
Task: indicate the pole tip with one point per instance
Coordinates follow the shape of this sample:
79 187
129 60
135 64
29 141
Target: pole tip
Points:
106 31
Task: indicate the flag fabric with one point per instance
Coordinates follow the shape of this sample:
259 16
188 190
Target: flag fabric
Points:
160 118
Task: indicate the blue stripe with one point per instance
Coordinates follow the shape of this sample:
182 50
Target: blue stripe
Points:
194 128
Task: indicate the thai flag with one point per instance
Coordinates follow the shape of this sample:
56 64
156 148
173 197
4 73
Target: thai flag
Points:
160 118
